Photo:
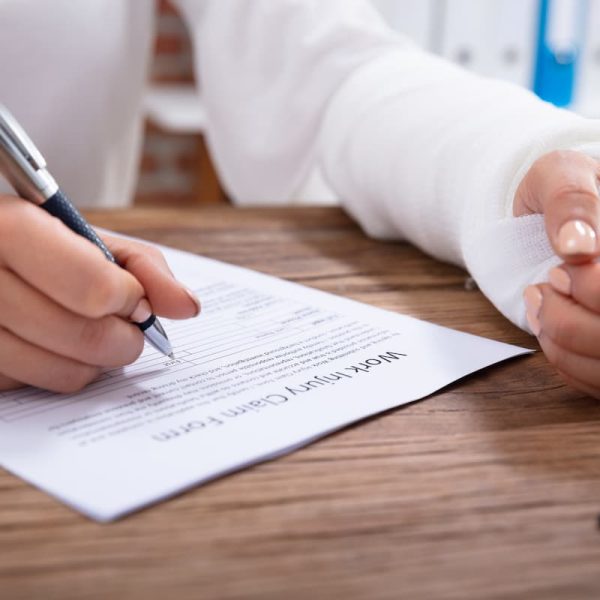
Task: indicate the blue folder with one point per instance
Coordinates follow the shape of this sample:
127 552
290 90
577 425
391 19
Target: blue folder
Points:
557 66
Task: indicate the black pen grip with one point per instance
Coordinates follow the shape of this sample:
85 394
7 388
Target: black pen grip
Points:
61 207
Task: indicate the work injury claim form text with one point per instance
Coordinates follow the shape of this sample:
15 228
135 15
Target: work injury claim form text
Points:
267 367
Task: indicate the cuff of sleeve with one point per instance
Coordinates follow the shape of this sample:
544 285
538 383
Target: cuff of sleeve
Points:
507 256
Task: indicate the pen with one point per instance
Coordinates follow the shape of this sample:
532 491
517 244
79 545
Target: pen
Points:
25 169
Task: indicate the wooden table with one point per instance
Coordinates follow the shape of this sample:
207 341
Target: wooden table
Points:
490 489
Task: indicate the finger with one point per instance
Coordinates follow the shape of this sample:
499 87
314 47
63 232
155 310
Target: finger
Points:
167 296
35 366
105 342
581 368
63 265
580 282
6 383
592 391
568 324
564 187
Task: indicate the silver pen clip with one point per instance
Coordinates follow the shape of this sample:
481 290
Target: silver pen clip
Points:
22 163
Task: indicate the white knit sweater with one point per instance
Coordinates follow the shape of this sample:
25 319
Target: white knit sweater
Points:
414 147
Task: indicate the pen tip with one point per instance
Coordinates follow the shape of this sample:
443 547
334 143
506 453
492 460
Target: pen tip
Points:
172 356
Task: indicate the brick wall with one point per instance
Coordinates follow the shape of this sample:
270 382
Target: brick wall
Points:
175 168
173 59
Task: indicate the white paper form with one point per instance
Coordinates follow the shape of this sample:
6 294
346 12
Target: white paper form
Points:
267 367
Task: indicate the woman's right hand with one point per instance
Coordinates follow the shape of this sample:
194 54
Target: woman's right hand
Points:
65 311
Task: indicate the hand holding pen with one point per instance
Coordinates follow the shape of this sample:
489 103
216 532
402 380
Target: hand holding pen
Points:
66 307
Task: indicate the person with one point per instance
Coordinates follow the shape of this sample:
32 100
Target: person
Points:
474 171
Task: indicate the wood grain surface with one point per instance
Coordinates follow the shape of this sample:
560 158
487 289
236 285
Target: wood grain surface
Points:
490 489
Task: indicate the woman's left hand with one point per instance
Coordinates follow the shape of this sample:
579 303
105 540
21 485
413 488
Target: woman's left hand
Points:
565 316
565 313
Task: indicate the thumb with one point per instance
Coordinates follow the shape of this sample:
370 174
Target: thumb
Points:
563 186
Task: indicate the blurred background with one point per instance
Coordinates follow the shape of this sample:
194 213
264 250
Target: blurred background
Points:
549 46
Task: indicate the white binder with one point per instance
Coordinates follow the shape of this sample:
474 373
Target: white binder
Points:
496 38
415 18
587 96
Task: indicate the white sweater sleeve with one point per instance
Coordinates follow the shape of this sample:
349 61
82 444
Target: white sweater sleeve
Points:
414 147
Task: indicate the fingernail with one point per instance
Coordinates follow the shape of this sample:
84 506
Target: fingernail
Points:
195 301
533 301
560 280
576 237
142 312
